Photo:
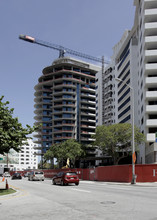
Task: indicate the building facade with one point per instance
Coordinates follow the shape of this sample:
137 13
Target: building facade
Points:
65 102
134 62
24 160
146 19
126 69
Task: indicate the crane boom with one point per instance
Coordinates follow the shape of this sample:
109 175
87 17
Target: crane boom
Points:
62 50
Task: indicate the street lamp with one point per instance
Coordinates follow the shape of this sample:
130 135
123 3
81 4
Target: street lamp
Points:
133 131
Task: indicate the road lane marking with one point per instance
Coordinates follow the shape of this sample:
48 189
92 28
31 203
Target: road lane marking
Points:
112 186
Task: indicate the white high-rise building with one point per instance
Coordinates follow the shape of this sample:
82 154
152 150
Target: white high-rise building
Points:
134 61
26 159
146 22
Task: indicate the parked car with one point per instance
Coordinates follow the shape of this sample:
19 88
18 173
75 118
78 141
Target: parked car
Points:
36 175
6 174
64 178
26 174
16 176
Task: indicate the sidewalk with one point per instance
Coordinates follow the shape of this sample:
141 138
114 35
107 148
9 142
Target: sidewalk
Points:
2 185
149 184
145 184
142 184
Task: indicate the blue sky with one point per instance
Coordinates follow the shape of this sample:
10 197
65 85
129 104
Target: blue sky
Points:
89 26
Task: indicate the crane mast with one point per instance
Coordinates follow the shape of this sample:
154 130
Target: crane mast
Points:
62 50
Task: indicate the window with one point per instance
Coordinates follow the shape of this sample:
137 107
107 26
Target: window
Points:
142 109
46 119
67 96
142 121
67 115
120 99
124 112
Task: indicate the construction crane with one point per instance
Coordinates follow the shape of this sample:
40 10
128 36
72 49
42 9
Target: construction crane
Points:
62 50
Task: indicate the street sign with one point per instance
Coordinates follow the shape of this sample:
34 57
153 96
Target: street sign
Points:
1 158
134 157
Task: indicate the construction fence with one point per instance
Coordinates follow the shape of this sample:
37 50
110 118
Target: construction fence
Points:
119 173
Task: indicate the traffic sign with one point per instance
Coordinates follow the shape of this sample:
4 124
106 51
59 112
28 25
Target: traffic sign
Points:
1 158
134 157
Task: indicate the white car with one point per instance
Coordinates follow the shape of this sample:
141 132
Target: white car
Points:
26 174
6 174
36 175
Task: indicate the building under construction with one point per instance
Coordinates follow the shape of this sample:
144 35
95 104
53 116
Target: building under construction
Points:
65 103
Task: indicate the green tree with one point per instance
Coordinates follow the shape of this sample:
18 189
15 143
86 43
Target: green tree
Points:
115 140
69 149
12 134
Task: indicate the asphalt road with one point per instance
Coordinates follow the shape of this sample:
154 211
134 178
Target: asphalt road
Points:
88 201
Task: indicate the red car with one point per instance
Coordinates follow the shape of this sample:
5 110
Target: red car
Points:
64 178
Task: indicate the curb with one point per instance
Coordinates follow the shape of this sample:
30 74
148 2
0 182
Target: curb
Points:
10 194
138 184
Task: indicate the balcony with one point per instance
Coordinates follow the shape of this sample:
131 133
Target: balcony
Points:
37 135
37 141
63 131
87 114
38 119
46 140
84 139
151 67
88 89
62 138
38 153
84 132
151 56
150 137
151 29
151 122
46 82
151 95
87 95
62 118
151 81
38 111
67 124
91 108
150 42
91 139
91 120
93 102
150 14
89 127
151 108
38 148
